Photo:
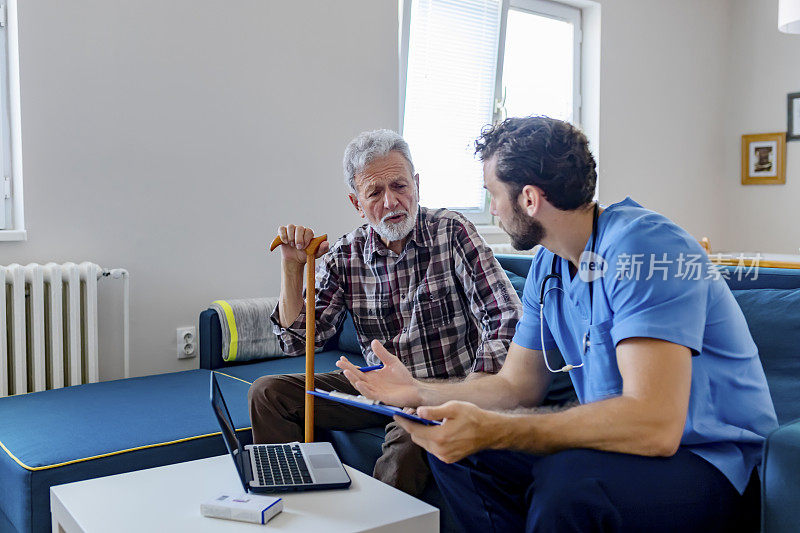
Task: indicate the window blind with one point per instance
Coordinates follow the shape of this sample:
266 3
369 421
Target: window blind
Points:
452 63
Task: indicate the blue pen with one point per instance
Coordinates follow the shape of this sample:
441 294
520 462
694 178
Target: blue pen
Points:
368 368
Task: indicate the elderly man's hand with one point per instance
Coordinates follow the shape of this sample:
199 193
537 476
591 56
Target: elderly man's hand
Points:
294 241
393 384
466 429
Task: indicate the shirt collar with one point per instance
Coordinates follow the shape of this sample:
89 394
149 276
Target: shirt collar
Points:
420 236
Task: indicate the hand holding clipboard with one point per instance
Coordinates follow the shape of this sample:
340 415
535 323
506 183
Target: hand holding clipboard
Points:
371 405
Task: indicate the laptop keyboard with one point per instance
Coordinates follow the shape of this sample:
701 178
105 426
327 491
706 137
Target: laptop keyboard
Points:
280 464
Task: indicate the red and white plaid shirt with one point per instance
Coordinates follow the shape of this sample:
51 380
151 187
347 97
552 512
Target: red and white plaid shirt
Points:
443 305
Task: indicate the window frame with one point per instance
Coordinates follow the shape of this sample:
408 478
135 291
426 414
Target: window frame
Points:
546 8
13 224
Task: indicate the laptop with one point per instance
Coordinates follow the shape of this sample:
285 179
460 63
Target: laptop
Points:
278 467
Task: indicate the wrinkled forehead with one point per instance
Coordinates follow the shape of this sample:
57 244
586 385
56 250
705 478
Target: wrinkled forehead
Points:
384 170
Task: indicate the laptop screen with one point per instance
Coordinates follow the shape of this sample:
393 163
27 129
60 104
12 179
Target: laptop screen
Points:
227 427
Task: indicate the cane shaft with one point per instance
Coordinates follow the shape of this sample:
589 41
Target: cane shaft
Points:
311 251
310 334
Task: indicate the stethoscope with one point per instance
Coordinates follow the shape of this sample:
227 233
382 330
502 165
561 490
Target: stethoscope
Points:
543 293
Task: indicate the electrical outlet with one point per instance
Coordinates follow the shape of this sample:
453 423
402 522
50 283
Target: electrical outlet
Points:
186 342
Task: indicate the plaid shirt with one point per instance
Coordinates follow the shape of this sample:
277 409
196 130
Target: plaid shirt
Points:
443 306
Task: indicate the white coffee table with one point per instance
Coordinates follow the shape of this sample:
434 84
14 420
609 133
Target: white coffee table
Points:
168 499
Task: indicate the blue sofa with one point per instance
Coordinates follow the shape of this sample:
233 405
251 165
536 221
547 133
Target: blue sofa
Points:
87 431
770 300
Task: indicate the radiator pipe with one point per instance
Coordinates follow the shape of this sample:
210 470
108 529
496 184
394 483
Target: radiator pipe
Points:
118 273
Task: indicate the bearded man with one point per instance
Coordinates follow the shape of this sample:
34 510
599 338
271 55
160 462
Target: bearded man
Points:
420 281
674 405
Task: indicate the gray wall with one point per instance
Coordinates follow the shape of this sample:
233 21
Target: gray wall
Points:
662 80
681 82
171 138
764 66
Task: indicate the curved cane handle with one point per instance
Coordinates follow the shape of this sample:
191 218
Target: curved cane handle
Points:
311 249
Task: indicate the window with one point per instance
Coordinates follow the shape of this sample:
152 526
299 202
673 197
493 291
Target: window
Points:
474 62
11 215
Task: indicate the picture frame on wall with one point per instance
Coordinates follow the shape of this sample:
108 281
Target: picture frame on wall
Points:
764 159
793 117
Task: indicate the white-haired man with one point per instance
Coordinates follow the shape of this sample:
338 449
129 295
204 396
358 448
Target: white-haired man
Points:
421 281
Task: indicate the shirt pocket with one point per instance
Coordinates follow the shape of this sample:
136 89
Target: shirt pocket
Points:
602 373
434 303
372 317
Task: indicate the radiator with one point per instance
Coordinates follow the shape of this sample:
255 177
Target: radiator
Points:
49 338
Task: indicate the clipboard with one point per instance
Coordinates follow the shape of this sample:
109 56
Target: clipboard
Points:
371 405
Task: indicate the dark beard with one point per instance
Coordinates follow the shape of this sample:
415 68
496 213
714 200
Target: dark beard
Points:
525 232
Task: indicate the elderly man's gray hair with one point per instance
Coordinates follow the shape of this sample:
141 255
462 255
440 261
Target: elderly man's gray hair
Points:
366 147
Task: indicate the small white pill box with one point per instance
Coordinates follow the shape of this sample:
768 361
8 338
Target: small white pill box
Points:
254 508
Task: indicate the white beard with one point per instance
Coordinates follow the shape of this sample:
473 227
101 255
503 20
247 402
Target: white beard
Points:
392 232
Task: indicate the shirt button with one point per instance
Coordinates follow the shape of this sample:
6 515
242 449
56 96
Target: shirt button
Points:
405 330
402 296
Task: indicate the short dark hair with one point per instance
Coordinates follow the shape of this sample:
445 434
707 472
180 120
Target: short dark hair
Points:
542 151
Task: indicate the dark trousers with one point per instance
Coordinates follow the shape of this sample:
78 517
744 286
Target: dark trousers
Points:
277 407
588 490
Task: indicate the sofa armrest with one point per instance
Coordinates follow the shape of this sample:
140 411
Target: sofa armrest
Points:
780 484
210 341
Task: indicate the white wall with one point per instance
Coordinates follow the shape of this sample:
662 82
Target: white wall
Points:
172 138
681 81
764 66
662 78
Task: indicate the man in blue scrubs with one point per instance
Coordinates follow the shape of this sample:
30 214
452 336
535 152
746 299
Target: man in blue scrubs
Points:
674 403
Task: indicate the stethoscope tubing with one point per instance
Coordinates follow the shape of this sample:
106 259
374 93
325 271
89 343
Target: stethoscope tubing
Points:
543 291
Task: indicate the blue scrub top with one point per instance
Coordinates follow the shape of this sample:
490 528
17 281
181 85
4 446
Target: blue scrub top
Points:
658 283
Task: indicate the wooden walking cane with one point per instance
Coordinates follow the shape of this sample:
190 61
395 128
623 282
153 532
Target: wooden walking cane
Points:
311 252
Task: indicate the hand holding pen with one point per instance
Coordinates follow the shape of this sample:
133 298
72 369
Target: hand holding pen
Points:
393 385
370 368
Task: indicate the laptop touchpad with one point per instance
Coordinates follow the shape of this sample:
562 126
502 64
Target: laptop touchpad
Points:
323 460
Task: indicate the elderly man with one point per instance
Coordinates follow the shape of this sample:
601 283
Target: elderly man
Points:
421 281
674 402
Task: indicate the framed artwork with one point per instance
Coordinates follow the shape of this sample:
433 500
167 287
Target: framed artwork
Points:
764 159
793 117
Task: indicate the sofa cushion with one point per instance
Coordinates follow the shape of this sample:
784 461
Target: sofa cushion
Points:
348 339
117 415
359 448
86 431
323 362
773 316
781 484
517 281
520 264
762 278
